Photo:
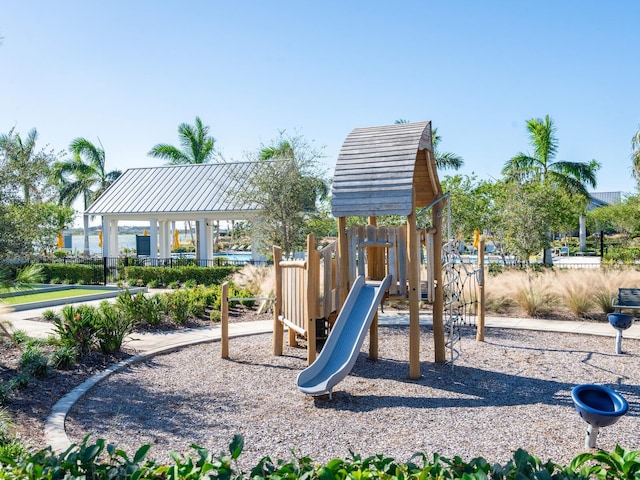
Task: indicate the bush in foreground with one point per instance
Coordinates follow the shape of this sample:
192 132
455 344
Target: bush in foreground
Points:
101 461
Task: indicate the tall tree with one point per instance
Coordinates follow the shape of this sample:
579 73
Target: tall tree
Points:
288 188
27 167
84 176
635 156
540 166
444 160
197 146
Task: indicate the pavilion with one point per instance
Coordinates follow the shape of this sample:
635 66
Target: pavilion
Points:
203 193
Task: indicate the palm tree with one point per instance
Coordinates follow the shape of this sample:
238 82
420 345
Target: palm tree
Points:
574 177
444 160
635 156
197 147
84 175
28 166
540 166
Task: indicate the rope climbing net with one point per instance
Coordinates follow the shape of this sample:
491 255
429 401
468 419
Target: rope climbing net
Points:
460 290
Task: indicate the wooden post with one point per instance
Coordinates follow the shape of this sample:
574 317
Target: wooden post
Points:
312 273
278 328
373 267
438 300
224 321
343 262
480 332
414 294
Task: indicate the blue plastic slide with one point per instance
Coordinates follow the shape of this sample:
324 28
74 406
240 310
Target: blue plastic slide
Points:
341 349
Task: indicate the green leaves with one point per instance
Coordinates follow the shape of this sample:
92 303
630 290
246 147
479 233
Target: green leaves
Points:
101 461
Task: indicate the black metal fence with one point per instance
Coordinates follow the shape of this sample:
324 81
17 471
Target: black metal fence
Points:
111 269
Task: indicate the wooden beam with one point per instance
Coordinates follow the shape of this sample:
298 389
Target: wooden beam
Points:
480 331
343 262
224 321
414 295
278 328
438 300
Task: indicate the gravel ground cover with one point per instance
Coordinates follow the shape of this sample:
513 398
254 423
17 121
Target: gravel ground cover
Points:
514 390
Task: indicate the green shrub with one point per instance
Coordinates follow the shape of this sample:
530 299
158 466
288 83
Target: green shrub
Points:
495 269
78 327
174 285
165 275
20 337
73 273
112 327
64 357
177 306
60 254
35 363
214 316
153 283
151 308
191 283
130 306
20 381
49 315
99 460
5 393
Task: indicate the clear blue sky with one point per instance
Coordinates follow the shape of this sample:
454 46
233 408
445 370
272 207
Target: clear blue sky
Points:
129 72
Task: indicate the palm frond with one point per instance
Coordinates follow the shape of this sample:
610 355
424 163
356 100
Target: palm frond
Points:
170 153
448 160
585 173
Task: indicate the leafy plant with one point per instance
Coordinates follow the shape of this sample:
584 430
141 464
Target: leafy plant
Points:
619 464
20 337
112 327
5 393
49 315
78 327
20 381
178 306
64 357
35 363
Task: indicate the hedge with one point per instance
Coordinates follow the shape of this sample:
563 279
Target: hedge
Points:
164 275
73 273
102 461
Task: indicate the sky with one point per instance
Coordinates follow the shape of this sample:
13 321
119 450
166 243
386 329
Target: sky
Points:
127 73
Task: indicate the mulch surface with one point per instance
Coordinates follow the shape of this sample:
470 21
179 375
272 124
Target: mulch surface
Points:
30 406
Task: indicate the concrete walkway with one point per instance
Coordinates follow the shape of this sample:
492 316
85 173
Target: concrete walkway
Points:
153 343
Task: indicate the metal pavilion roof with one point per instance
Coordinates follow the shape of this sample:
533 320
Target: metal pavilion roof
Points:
179 192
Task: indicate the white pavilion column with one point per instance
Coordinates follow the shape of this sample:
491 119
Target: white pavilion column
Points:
204 242
153 241
164 239
209 239
106 234
114 248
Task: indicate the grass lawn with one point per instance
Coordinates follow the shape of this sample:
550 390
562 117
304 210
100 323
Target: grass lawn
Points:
39 297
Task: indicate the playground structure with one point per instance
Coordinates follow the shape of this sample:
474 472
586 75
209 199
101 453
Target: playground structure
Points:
386 170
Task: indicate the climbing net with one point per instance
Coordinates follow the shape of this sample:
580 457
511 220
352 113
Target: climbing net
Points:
460 290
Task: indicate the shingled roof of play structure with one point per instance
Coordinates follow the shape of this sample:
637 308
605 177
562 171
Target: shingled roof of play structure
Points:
379 168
